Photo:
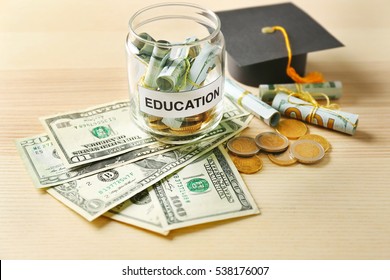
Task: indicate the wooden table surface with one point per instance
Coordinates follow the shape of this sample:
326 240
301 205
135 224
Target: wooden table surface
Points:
58 56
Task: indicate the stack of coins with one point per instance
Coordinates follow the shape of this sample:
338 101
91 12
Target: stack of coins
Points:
286 146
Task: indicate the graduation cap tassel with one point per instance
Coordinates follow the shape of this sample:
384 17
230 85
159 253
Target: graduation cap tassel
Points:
313 77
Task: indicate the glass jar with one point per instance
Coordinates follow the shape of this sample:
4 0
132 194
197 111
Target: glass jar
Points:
175 54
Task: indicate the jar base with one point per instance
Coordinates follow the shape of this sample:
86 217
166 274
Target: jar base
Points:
178 140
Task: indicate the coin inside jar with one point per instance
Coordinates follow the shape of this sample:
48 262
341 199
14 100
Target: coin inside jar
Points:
243 146
271 142
307 151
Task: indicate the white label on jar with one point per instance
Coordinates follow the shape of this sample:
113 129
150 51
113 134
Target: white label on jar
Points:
180 104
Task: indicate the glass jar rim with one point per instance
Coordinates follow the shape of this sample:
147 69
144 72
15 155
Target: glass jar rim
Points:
215 18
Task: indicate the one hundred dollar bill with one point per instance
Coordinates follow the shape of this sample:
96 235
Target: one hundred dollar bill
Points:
94 195
209 189
138 211
296 108
94 134
47 169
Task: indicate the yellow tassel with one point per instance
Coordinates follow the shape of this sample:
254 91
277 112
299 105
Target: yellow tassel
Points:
313 77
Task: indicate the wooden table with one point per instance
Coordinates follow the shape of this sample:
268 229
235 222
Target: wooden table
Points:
58 56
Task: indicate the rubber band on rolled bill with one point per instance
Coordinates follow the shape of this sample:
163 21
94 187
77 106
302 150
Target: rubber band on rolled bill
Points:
251 103
332 89
312 112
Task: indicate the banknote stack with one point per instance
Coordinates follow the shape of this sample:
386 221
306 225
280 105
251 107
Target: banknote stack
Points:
97 162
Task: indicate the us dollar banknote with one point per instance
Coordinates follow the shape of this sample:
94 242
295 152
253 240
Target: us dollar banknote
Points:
94 134
102 132
293 107
331 89
209 189
47 169
138 211
94 195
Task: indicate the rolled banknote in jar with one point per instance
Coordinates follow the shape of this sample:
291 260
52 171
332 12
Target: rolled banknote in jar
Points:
331 89
190 51
171 76
202 65
145 49
251 103
296 108
157 61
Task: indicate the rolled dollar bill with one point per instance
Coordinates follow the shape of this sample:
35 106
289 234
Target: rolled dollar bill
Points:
331 89
157 61
190 51
46 168
171 76
145 49
201 66
296 108
251 103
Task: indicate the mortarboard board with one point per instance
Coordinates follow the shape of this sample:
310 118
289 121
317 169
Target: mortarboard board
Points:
256 58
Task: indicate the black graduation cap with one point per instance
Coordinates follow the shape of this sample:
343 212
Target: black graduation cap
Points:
258 58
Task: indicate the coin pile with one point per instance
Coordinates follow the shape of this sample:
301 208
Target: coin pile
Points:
306 148
243 153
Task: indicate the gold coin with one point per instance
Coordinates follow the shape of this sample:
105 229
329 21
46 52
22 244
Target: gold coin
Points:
243 146
248 165
271 141
318 138
208 115
307 151
291 128
195 118
187 129
157 125
152 118
283 158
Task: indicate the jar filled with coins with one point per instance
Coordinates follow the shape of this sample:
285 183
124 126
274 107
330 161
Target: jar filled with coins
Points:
175 54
